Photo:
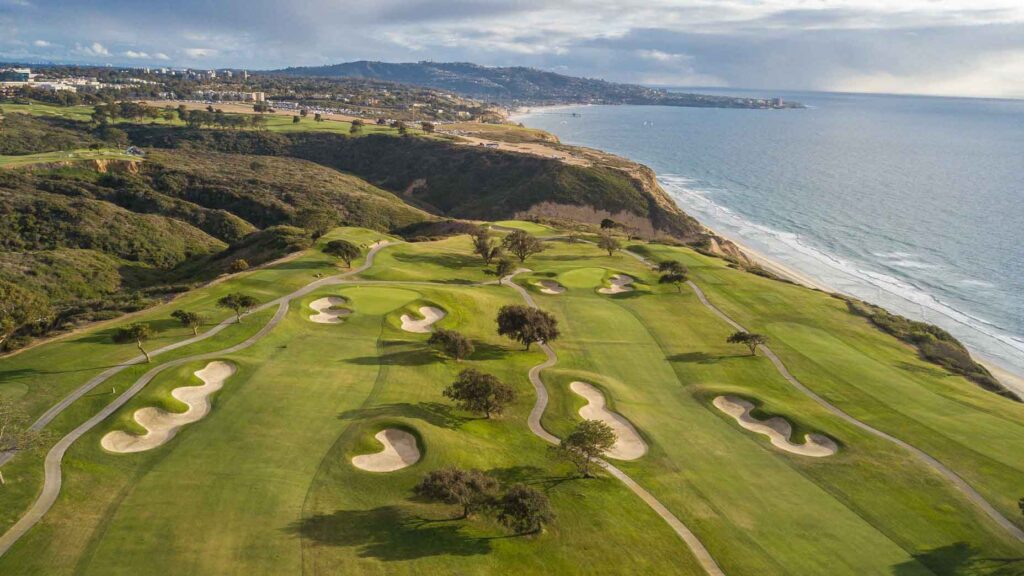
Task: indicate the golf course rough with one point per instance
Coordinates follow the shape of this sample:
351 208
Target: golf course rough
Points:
619 283
430 315
161 425
400 451
628 443
775 428
328 310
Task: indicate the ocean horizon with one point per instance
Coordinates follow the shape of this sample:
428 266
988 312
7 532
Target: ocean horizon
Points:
914 203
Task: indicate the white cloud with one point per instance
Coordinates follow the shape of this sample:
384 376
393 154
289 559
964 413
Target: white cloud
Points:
94 49
134 54
200 52
161 56
41 44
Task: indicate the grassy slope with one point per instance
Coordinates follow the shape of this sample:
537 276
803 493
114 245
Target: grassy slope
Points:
879 380
68 156
659 355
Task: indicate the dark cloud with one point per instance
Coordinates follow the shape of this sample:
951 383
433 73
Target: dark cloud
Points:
835 44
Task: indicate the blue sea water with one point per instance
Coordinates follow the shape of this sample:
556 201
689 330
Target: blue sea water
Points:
913 203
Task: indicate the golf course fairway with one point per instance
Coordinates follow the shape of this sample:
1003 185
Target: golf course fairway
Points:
334 369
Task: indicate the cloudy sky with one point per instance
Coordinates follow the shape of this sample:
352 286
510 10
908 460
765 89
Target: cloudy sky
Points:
955 47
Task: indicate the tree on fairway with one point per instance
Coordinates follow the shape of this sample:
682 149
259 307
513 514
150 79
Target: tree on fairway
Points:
504 267
522 244
19 307
344 250
478 391
451 343
304 112
608 224
427 127
239 265
318 117
527 325
471 489
296 119
317 221
137 333
587 442
239 303
576 233
484 246
608 243
673 278
672 266
15 432
356 127
524 509
749 339
188 320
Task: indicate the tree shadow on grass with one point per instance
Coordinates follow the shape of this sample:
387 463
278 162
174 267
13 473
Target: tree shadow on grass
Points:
959 559
389 534
487 351
450 261
412 357
19 373
436 413
529 475
697 357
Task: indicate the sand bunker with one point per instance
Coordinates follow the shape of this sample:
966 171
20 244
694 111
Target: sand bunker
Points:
619 283
628 444
550 287
776 428
328 310
430 315
161 425
400 451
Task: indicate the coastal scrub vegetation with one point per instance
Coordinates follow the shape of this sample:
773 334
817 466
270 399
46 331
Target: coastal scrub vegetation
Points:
933 343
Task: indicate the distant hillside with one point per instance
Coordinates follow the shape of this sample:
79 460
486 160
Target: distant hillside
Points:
461 181
520 85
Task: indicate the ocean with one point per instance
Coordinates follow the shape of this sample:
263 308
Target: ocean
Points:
912 203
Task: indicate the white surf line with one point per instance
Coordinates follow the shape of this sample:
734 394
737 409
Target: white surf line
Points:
161 426
696 547
400 451
52 464
430 316
328 310
970 493
628 443
777 429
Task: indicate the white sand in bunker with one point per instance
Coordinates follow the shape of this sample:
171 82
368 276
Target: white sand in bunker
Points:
776 428
619 283
161 425
400 451
430 315
628 444
328 310
550 287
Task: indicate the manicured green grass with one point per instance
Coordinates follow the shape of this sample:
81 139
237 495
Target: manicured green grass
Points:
64 156
265 484
82 113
